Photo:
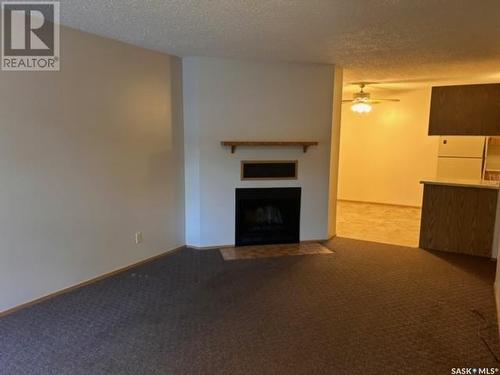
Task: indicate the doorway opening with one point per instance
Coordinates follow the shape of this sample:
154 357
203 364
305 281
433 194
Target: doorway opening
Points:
384 155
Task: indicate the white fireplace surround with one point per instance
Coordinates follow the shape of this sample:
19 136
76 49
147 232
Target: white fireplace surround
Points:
255 101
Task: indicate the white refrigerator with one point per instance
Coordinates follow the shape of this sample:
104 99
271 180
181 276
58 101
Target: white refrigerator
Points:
461 157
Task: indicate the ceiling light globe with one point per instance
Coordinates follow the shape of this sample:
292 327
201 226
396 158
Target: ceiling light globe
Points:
361 107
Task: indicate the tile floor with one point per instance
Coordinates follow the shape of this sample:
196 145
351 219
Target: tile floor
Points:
396 225
272 251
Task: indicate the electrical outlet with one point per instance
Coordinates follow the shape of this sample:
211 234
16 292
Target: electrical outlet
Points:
138 238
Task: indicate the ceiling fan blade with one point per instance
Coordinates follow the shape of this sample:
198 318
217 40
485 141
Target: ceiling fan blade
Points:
371 101
376 101
366 83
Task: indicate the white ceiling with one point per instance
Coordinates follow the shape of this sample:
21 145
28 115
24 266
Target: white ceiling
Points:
399 41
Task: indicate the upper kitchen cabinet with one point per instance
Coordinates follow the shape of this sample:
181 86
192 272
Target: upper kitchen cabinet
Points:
465 110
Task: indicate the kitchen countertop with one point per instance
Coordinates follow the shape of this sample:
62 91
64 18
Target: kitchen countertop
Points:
481 184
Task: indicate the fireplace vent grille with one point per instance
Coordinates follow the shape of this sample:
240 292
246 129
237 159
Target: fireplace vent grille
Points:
269 170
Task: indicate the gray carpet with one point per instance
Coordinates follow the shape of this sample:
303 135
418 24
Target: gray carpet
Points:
366 309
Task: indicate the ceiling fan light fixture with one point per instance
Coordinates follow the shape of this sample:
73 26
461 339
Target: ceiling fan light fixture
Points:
361 107
362 102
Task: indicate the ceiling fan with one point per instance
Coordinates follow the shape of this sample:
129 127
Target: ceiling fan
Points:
362 101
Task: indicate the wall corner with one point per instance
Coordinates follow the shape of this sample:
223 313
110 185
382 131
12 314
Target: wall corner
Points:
335 150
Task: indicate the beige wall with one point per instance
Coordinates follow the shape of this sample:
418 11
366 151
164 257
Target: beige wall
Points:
88 156
384 154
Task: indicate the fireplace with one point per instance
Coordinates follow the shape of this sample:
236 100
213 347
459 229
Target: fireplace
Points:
267 216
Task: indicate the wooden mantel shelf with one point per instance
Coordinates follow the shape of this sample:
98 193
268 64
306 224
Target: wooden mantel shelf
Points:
304 144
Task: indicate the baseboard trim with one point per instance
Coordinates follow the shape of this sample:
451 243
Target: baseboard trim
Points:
201 248
319 240
496 290
88 282
379 203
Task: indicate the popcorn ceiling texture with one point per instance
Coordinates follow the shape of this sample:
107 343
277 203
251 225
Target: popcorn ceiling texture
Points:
388 40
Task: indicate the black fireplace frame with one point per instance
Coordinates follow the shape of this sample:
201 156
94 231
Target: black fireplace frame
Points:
242 194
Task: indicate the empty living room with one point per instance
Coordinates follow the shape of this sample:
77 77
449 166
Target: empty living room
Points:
249 187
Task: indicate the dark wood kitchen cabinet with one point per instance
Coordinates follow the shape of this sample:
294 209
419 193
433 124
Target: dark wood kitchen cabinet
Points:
458 219
465 110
